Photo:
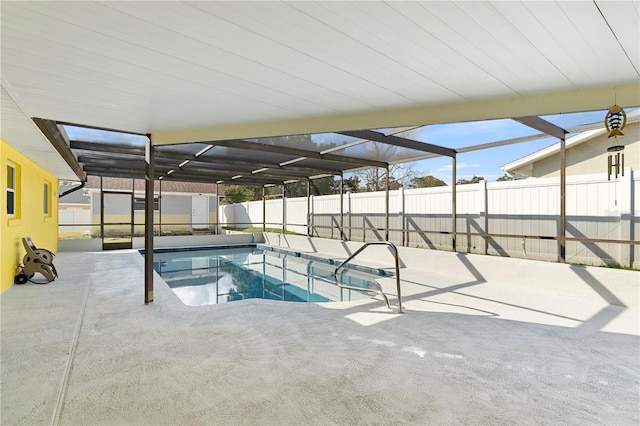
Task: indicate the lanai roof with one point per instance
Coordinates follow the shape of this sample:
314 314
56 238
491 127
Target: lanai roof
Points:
228 73
528 160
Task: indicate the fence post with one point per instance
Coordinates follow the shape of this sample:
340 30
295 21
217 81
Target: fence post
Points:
484 214
312 219
349 213
625 200
264 210
401 215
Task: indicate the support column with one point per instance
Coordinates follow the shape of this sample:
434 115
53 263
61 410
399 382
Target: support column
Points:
563 201
284 208
342 236
217 224
264 210
132 228
386 209
350 222
148 222
308 207
101 212
402 218
453 203
160 207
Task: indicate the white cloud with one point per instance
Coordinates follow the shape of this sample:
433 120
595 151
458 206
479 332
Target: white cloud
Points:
459 166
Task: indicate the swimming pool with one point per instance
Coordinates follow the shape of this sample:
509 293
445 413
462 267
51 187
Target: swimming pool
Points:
212 276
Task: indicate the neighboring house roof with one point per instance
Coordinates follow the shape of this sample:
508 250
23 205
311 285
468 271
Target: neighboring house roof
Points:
167 185
76 197
551 150
528 160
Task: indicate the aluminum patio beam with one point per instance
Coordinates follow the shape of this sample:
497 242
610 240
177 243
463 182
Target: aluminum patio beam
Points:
163 155
111 172
227 180
228 174
138 166
400 142
59 141
250 164
542 125
297 152
182 177
109 148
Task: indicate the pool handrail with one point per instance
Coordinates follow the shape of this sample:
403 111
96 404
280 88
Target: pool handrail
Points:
373 290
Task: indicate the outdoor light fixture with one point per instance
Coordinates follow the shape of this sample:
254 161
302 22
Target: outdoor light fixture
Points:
170 171
203 150
614 121
161 177
183 163
220 181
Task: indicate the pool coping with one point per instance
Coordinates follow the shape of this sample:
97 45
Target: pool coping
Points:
317 257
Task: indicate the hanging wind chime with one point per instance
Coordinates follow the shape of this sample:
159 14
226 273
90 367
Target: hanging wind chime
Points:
615 121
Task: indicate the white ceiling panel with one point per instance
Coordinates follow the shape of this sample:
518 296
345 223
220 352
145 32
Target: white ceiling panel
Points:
267 68
622 17
599 46
16 126
261 55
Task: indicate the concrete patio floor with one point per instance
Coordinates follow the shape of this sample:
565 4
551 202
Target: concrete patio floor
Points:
86 350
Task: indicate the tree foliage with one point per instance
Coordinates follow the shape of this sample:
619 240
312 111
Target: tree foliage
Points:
373 179
237 194
474 179
505 178
426 182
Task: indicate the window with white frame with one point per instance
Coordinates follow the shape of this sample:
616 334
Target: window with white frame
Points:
139 203
11 190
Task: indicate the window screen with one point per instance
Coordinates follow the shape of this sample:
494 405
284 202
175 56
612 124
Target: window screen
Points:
11 190
46 199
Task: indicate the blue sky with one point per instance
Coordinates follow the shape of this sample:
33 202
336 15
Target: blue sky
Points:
487 163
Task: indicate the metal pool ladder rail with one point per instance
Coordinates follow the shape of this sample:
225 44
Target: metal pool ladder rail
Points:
373 290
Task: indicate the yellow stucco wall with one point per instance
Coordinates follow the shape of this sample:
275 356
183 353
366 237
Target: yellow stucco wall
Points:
30 218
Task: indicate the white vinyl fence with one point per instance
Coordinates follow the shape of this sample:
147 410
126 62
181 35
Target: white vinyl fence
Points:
521 218
75 217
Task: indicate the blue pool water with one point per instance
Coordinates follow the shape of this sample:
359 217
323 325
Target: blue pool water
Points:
212 276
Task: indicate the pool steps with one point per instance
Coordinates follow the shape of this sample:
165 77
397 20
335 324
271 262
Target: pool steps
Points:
613 286
323 258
